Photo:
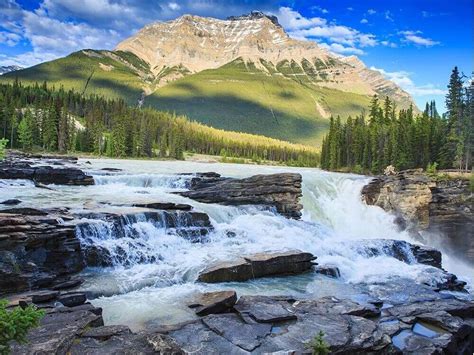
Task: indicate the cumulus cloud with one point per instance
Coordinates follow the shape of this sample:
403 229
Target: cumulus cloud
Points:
403 79
364 21
338 38
371 11
340 49
58 27
415 37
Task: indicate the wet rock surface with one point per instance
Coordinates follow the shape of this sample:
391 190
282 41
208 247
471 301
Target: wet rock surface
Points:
214 302
264 324
281 191
14 169
36 250
258 265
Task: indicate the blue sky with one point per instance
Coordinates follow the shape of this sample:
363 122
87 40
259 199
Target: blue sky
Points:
415 43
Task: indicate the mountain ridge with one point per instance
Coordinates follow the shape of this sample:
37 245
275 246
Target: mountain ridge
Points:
243 74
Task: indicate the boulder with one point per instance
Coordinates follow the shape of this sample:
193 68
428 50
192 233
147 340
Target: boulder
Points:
214 302
72 299
328 270
280 191
13 201
258 265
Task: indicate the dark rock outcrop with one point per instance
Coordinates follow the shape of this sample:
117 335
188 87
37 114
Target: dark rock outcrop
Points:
13 168
13 201
258 265
214 302
280 191
36 251
164 206
426 204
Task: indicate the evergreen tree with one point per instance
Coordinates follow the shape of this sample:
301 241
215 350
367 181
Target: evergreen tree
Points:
25 130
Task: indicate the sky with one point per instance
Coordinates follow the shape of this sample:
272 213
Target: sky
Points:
414 43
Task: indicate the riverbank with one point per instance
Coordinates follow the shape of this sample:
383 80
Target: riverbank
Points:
151 242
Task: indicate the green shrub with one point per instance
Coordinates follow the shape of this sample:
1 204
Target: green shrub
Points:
471 182
15 324
3 144
318 345
432 169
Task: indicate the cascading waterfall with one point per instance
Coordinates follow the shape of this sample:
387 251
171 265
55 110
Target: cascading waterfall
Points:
153 268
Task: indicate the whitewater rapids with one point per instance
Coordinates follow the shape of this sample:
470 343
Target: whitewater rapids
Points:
334 222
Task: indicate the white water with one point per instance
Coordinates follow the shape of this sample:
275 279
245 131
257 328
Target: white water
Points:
155 274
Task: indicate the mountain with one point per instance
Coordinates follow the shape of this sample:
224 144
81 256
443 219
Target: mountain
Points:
244 74
8 68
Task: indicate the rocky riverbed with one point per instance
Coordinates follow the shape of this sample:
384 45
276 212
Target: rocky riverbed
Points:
244 287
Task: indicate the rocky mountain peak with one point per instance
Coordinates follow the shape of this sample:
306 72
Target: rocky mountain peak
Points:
255 15
193 44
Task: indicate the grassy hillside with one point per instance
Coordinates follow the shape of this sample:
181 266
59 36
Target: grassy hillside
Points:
283 103
239 97
112 74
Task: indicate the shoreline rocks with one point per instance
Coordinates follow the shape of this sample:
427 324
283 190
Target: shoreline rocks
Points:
280 191
258 265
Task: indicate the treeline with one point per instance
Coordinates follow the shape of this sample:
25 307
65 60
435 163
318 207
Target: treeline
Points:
39 117
403 139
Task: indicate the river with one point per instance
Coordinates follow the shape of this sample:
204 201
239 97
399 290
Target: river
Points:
136 292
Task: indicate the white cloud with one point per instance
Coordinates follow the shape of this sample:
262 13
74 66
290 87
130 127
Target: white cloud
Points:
388 44
371 11
340 49
293 20
364 21
416 38
347 38
402 79
174 6
9 38
350 9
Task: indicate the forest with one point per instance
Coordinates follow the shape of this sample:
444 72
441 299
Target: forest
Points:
42 118
382 136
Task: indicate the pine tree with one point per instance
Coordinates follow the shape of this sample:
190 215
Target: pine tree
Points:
25 130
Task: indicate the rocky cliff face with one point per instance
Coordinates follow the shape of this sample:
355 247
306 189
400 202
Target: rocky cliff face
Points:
422 203
191 44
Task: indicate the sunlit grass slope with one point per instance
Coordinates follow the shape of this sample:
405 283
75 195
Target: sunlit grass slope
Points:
240 97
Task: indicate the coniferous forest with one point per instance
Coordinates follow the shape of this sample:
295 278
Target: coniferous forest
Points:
41 118
403 139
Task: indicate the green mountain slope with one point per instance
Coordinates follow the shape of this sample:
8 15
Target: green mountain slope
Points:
111 74
240 97
283 102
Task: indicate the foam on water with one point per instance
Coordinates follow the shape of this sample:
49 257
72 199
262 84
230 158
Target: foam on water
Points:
155 269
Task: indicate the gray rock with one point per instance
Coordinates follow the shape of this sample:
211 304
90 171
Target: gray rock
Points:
265 309
165 206
13 201
258 265
328 270
281 191
234 329
72 299
106 332
44 296
214 302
